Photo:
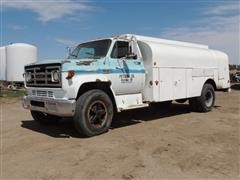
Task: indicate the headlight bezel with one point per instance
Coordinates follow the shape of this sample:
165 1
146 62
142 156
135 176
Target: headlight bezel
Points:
28 76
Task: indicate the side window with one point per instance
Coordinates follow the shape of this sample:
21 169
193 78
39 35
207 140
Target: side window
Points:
120 49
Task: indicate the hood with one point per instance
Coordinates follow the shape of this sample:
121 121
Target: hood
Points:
62 61
80 65
49 61
88 65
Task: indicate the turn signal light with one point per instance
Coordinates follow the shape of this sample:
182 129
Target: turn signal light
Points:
71 73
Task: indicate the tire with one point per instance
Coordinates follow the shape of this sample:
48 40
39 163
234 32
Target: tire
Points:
94 113
44 118
205 102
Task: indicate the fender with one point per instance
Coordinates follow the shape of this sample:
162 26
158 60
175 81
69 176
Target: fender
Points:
198 90
96 82
72 85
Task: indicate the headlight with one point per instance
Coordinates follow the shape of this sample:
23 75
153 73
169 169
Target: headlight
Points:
28 77
55 76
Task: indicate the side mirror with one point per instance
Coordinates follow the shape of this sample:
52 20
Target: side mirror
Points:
69 50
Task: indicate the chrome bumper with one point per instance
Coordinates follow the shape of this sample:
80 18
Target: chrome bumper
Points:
58 107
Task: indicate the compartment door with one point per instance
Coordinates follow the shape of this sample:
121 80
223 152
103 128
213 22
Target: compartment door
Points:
166 84
179 83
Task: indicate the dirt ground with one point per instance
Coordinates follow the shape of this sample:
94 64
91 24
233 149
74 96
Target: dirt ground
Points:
172 143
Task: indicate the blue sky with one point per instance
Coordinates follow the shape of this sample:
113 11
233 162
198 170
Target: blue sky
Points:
52 25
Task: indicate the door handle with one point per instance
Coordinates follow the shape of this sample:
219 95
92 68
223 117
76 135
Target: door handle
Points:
117 67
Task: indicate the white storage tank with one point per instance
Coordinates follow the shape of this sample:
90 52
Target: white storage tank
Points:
18 55
3 66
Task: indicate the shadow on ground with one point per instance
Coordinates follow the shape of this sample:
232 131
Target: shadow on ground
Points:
65 128
135 116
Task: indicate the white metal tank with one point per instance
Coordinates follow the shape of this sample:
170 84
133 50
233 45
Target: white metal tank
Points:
3 64
18 55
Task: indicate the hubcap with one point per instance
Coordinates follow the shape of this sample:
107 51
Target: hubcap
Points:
97 114
209 98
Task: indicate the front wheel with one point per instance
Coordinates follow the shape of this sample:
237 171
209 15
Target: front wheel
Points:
205 102
94 113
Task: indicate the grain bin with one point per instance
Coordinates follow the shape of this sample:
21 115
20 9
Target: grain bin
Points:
18 55
3 64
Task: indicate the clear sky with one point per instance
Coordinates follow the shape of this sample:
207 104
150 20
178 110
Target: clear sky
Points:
52 25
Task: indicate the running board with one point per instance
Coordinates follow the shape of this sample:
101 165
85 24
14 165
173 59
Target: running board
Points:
136 106
129 101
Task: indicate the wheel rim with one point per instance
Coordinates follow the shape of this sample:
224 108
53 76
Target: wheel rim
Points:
209 98
97 114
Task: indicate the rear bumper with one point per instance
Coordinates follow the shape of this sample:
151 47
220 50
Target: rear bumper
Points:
58 107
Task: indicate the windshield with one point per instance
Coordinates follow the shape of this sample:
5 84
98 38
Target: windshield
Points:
91 50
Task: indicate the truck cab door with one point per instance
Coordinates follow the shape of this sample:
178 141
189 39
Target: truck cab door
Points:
128 74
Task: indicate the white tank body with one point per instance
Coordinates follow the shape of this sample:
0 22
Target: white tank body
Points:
18 55
167 53
3 64
179 69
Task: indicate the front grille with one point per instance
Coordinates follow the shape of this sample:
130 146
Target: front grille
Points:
50 94
41 75
42 93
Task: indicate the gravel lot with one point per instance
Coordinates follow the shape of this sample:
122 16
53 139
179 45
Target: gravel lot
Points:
173 143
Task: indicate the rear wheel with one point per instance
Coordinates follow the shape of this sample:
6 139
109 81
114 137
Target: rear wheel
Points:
44 118
94 113
205 102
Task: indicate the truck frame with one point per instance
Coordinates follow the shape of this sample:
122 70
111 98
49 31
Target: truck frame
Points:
109 75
